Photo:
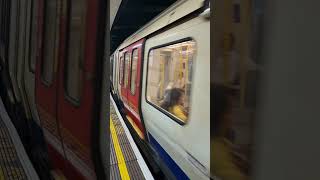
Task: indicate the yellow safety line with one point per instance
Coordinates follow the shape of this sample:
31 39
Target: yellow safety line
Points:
135 127
121 162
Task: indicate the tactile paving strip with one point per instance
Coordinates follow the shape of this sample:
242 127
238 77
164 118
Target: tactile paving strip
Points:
114 172
132 164
11 167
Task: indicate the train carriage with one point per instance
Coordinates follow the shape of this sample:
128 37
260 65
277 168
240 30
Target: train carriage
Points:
170 52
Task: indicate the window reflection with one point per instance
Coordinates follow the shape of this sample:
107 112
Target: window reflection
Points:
235 75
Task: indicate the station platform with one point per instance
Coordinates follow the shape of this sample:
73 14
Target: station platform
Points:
14 161
126 161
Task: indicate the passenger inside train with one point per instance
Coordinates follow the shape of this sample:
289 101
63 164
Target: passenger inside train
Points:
173 102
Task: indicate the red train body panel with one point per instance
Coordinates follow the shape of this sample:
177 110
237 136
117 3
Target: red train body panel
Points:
131 96
66 121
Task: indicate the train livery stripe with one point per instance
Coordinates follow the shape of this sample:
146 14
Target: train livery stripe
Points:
120 158
172 165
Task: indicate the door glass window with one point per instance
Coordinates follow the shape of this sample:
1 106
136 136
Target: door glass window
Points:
126 71
121 72
50 40
75 56
169 79
133 76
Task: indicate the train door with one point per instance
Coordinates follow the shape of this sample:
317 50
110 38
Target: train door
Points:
175 91
133 86
66 83
78 78
46 78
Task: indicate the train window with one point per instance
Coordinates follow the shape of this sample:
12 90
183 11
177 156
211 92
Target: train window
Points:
50 46
75 52
134 64
32 59
126 67
121 72
169 79
111 67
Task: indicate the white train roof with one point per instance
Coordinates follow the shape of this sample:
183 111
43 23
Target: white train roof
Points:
170 15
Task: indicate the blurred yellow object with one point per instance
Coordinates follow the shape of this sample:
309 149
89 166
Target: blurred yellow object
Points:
222 163
177 110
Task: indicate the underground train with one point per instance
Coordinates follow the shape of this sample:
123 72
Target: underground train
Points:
53 76
43 41
51 79
161 81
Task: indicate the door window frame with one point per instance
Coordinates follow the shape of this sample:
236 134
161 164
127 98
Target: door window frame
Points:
171 116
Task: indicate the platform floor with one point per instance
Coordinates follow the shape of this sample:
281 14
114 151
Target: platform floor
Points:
14 161
126 162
